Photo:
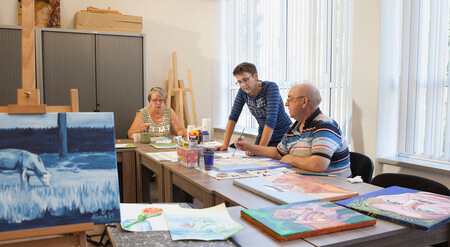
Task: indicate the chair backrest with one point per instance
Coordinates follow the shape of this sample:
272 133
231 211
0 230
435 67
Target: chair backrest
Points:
410 181
361 165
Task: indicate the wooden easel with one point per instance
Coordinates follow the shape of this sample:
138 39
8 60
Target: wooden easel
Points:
28 103
175 88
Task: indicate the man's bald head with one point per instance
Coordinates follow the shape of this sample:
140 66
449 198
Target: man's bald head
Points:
309 91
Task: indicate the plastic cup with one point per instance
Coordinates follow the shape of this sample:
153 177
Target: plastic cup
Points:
208 157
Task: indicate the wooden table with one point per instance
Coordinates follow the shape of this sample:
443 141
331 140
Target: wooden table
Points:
127 157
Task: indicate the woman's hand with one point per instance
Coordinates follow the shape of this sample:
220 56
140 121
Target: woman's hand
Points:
143 127
242 144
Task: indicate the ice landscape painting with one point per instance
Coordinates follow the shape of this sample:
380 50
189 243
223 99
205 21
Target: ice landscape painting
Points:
57 169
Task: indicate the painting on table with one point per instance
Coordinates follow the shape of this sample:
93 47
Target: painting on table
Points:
305 219
212 223
241 164
290 188
413 208
46 13
141 217
57 169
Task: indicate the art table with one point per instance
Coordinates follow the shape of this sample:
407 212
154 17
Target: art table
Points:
144 164
127 156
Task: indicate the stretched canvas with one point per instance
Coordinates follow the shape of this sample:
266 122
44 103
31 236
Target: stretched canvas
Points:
139 217
413 208
212 223
57 169
241 164
305 219
293 187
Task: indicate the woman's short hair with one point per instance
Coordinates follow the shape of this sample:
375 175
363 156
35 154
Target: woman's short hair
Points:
157 90
245 67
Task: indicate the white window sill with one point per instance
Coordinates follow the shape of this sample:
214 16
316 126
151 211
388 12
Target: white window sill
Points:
249 132
418 164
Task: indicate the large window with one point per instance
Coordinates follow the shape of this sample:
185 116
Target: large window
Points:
292 41
424 111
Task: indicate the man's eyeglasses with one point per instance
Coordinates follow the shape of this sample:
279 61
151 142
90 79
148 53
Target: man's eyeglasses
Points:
294 99
244 80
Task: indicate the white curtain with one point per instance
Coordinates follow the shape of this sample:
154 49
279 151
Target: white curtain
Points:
424 80
291 41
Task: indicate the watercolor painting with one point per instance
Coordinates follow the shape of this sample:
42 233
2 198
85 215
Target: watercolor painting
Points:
57 169
46 13
305 219
139 217
413 208
293 187
212 223
241 164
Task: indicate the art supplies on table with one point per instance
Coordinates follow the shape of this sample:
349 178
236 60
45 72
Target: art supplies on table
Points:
413 208
161 139
247 174
290 188
137 217
316 174
164 145
125 145
71 170
212 223
305 219
169 156
247 163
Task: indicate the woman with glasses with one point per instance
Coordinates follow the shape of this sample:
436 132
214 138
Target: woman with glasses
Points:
265 104
159 119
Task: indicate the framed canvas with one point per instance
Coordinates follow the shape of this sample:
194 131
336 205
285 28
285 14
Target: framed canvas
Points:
57 169
305 219
46 13
413 208
292 187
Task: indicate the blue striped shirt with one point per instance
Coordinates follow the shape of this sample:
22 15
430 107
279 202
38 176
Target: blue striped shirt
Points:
267 107
321 136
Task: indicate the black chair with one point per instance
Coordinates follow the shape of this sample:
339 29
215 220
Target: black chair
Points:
410 181
361 165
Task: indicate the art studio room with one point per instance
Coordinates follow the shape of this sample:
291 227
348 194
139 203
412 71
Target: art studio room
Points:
224 123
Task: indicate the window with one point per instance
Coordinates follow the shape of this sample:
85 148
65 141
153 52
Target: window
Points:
291 41
424 111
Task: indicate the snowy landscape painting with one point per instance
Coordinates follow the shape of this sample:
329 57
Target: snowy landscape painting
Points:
57 169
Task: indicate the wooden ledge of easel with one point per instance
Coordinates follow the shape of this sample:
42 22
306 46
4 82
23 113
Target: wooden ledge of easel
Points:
45 231
27 109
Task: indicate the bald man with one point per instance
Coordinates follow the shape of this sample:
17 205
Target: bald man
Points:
314 142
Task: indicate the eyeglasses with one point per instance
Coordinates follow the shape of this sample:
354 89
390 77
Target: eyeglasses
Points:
244 80
160 101
294 99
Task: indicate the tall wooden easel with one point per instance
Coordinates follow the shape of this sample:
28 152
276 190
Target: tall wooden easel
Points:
175 88
28 103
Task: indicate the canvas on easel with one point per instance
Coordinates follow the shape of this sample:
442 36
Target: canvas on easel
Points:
57 169
47 13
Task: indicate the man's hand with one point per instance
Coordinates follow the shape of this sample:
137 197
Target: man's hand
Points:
288 159
222 148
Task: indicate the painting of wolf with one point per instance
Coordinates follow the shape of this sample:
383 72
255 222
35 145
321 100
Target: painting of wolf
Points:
57 169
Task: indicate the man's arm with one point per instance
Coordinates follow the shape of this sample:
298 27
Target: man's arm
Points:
228 132
257 150
313 163
266 136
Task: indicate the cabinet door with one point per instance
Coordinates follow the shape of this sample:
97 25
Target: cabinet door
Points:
120 78
68 61
10 65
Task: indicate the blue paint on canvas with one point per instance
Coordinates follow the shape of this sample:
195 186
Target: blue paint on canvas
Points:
43 185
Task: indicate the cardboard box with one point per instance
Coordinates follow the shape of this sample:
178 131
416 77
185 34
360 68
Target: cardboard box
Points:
108 22
188 157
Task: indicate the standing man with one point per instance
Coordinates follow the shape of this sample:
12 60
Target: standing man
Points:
314 142
265 104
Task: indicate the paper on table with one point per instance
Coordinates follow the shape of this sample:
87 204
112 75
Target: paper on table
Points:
170 156
125 145
212 223
228 155
130 212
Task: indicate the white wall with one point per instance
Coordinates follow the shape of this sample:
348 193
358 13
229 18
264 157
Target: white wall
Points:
189 27
365 67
